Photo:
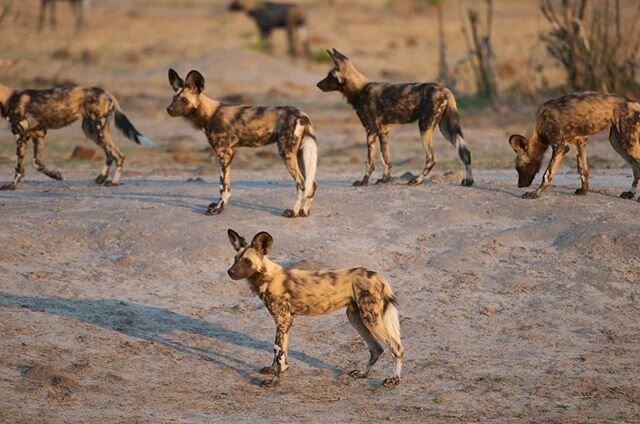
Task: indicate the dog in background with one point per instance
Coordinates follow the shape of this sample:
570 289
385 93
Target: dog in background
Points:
379 105
269 16
231 126
287 293
568 121
80 9
31 113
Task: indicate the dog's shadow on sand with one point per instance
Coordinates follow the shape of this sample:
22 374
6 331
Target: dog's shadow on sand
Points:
152 324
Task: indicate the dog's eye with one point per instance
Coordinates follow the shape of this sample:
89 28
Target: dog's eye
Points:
184 100
246 262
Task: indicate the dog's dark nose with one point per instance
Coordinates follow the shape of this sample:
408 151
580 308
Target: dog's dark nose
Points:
230 272
169 110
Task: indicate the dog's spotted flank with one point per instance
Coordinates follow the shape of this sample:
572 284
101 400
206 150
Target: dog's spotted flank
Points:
286 293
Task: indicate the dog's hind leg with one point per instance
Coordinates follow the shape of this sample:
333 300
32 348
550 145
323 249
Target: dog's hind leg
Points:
93 134
21 151
375 348
630 152
38 153
426 134
291 162
116 154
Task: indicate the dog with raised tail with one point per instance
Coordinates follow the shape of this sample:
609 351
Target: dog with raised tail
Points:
230 126
31 113
291 292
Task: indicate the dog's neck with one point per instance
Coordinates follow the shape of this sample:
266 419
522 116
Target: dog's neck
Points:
353 85
260 280
5 93
203 113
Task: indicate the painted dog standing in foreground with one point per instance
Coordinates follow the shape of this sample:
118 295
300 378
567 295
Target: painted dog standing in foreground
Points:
230 126
380 104
289 292
31 113
568 121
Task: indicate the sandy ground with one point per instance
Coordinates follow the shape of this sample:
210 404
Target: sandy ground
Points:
115 305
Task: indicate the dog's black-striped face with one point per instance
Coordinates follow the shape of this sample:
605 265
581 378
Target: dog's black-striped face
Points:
186 100
248 259
334 81
526 166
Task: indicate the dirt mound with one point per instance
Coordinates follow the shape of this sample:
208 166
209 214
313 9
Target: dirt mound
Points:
594 240
47 381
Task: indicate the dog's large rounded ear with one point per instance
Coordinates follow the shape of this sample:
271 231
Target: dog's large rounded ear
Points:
262 242
195 81
175 81
519 144
237 241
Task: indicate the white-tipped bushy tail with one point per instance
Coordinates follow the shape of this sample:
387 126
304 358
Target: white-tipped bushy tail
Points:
309 163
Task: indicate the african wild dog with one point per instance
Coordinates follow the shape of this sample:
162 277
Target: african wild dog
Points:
269 16
380 104
289 292
230 126
79 8
31 113
568 121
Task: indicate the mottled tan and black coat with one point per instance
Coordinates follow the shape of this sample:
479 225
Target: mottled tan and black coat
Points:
230 126
31 113
568 121
288 293
269 16
379 105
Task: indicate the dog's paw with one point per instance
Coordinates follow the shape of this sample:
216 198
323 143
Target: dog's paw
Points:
270 383
391 382
100 179
530 195
110 183
289 213
384 180
627 195
582 191
56 175
268 370
214 209
358 374
8 186
361 183
414 182
467 182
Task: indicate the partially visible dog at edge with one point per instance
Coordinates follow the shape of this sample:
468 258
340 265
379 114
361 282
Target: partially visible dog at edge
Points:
568 121
31 113
379 105
230 126
291 292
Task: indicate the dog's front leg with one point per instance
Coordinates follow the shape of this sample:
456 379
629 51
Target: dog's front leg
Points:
224 159
371 159
280 347
21 151
556 157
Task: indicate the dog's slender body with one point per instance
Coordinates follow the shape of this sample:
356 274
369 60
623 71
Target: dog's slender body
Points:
287 293
379 105
31 113
269 16
79 8
231 126
568 121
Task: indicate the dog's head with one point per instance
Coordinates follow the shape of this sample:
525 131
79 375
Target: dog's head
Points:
336 78
187 93
526 164
249 257
240 5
